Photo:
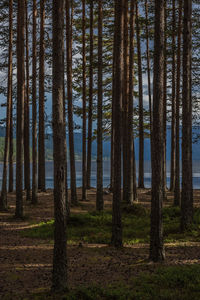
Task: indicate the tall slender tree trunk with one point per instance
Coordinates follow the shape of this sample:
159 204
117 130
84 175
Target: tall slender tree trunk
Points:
165 105
10 187
99 195
116 239
67 200
59 280
178 77
112 122
3 198
156 233
125 107
187 186
173 131
90 109
20 107
70 106
148 65
84 105
34 107
26 117
141 125
132 189
41 136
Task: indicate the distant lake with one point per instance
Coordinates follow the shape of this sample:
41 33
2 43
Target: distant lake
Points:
106 174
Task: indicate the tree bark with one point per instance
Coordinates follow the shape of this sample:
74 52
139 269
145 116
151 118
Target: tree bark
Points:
141 125
20 108
148 66
59 279
156 233
132 188
41 135
125 107
165 105
99 195
84 105
34 107
116 239
178 76
26 117
90 109
3 198
173 131
70 105
187 187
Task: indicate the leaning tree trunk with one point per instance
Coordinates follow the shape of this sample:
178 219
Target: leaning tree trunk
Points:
26 117
59 280
84 105
141 125
156 233
3 198
20 108
34 199
116 239
173 132
99 195
90 108
41 135
178 77
70 105
187 188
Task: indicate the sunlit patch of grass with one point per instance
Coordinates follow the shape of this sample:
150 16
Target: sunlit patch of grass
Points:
95 227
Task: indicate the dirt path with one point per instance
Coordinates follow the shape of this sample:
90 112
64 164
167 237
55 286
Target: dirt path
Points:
26 264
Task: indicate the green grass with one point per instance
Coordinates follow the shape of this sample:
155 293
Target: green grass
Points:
168 282
95 227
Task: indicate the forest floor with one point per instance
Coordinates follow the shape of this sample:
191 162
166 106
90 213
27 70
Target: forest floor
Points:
26 261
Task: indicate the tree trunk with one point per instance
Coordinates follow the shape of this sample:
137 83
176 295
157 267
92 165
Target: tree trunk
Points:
26 117
165 105
3 198
132 189
99 195
34 108
116 239
156 233
173 132
70 106
148 66
90 109
141 126
84 105
125 103
20 108
187 187
41 136
178 75
59 280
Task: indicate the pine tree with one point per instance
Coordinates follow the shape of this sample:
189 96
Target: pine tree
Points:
3 198
34 107
156 233
59 280
187 188
20 107
116 239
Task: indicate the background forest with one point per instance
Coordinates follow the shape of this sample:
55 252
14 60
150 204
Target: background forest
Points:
99 149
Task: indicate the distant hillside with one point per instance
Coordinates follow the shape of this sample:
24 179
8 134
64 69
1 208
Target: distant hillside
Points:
106 147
